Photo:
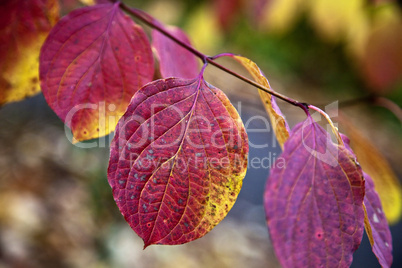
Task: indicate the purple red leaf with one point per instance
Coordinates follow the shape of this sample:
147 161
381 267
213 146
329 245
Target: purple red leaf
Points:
378 228
91 64
314 204
381 235
174 60
375 164
177 160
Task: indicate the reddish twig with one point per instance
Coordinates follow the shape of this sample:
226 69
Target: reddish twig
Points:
153 23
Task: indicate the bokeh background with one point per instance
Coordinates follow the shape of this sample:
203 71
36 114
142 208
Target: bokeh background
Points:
56 207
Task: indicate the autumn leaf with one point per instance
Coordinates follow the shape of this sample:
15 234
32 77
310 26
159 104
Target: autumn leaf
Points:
200 27
345 15
381 63
313 204
375 222
279 124
279 15
91 64
226 12
174 60
177 160
24 26
88 2
380 238
377 167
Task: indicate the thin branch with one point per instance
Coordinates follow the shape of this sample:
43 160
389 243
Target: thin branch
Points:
376 100
153 23
351 102
390 105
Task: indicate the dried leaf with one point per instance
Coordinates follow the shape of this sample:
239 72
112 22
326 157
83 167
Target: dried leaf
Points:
279 124
177 160
314 203
174 60
24 26
91 64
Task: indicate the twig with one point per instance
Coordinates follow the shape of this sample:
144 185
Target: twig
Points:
153 23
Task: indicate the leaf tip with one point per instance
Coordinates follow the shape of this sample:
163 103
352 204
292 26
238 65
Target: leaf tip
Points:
147 244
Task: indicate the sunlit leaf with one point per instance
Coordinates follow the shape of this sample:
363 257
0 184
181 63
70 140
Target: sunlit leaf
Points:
200 27
279 124
344 15
376 166
280 15
313 203
174 60
88 2
177 160
24 26
91 64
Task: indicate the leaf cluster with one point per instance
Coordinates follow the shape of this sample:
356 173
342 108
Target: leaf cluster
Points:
179 152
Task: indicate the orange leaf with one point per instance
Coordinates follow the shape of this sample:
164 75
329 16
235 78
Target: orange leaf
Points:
24 26
91 64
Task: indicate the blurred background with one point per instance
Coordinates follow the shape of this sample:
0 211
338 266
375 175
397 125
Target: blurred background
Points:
56 207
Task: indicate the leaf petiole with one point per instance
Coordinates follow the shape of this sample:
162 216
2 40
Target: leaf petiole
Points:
334 129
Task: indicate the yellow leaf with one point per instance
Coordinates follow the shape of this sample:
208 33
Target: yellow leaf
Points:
367 226
88 2
203 31
280 15
333 19
23 29
278 121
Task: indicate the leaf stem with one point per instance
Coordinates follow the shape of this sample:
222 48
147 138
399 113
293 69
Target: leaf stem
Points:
326 116
153 23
